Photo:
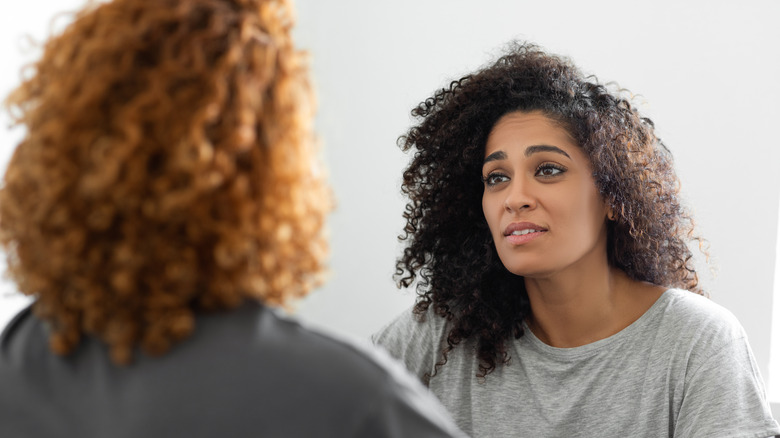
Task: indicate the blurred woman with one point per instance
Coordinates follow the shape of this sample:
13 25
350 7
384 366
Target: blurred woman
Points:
165 193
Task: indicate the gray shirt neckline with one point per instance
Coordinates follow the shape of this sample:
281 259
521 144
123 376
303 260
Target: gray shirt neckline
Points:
576 353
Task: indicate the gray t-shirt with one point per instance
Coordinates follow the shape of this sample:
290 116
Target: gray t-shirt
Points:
243 373
683 369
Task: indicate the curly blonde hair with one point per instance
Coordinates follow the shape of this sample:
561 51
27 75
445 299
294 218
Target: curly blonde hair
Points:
168 166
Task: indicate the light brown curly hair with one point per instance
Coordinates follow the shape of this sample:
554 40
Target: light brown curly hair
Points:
168 166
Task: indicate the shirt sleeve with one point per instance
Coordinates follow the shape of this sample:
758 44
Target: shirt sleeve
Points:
414 342
725 397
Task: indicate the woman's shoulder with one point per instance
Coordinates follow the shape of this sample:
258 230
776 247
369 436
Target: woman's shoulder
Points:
692 318
696 309
414 338
411 324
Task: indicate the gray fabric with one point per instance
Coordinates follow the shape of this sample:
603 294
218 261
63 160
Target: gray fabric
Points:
684 369
244 373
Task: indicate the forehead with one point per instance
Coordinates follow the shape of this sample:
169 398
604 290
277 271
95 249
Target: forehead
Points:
523 129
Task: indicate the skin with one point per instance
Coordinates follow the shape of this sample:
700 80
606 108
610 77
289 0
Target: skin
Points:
537 177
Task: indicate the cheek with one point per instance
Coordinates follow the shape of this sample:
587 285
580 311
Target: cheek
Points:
596 203
592 211
580 213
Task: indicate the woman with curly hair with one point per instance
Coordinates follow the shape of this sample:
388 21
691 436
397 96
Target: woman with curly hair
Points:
167 190
549 248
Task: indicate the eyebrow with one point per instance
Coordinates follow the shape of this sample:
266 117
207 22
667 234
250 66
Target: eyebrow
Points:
495 156
530 150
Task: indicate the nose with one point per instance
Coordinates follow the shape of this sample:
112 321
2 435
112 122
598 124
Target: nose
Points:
519 197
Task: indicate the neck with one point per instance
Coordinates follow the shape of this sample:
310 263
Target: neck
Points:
577 308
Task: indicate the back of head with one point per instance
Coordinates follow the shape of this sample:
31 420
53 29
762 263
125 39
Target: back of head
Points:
168 166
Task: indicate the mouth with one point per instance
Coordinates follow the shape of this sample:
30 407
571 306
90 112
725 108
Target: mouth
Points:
522 233
523 229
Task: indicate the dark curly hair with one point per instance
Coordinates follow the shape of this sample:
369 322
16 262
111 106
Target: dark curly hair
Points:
168 166
450 253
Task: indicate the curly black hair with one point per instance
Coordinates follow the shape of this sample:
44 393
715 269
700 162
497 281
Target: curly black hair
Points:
450 253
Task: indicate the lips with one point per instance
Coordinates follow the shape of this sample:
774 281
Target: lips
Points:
519 233
522 228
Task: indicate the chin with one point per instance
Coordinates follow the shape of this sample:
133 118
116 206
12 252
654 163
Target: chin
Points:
532 266
528 271
533 274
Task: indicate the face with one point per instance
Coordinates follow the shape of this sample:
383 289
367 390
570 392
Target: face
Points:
540 200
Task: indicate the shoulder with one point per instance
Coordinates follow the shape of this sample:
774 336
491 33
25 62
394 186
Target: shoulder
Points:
409 323
687 312
698 330
268 336
336 349
379 386
25 335
414 339
723 393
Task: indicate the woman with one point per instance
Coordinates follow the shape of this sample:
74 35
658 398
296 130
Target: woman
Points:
165 193
557 294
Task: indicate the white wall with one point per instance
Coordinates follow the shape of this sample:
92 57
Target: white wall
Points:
707 70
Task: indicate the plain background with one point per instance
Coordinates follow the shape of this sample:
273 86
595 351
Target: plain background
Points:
707 72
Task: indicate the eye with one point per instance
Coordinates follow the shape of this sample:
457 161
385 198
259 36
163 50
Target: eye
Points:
548 170
494 178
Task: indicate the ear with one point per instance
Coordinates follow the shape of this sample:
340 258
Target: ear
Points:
610 213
